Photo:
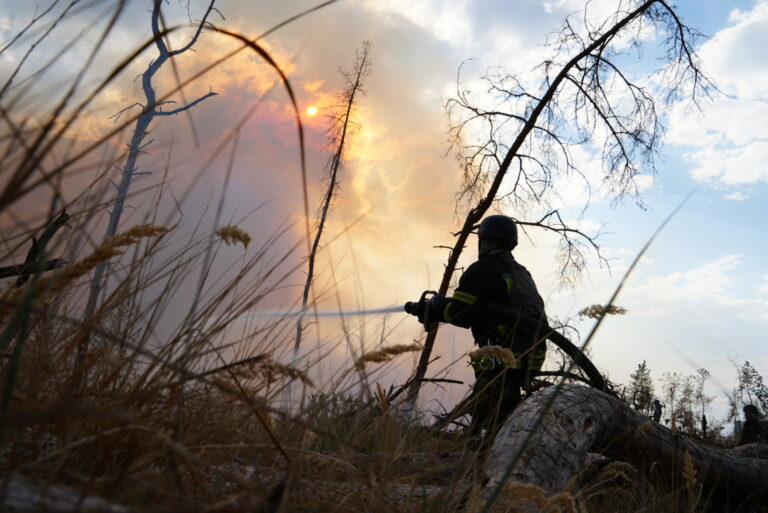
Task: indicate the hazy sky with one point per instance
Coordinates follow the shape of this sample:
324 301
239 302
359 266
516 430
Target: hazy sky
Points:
699 297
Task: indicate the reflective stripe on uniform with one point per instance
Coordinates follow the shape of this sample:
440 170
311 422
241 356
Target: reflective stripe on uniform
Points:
535 360
464 297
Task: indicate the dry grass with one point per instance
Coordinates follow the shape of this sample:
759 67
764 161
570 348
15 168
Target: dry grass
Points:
180 411
176 411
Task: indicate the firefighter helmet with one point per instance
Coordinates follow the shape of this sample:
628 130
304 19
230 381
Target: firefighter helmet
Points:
499 228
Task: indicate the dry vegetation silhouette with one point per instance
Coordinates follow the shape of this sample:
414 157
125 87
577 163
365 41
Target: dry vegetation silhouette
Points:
110 397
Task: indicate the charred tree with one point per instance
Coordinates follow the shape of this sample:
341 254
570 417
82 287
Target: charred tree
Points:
149 110
583 97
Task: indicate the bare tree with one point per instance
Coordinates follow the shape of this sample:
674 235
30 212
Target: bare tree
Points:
672 383
342 121
149 110
583 97
750 389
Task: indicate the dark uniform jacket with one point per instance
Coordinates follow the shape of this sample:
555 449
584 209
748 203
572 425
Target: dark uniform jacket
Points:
497 278
751 432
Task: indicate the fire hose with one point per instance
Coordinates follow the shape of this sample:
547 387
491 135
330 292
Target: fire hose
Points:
512 316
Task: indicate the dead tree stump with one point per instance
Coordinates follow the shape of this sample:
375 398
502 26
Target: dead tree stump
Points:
546 442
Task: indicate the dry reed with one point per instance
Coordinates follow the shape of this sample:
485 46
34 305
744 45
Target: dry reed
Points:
386 354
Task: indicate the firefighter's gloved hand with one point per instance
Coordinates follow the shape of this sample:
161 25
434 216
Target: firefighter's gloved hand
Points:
433 310
426 311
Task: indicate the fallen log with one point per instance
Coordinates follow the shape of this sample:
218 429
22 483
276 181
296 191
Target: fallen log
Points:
547 439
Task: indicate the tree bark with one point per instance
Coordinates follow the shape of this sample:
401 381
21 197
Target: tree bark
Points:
546 442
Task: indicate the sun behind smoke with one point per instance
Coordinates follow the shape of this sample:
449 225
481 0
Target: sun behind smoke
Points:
311 111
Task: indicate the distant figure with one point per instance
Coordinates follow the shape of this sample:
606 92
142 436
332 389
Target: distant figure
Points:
703 426
657 407
751 430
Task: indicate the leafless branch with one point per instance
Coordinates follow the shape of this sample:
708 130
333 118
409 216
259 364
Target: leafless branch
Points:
35 18
116 115
186 107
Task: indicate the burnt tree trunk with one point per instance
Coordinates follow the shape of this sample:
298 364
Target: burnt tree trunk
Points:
548 438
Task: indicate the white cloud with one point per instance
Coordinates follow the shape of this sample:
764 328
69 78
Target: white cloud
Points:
446 21
736 55
737 16
730 133
705 283
726 122
732 166
737 196
706 287
597 10
764 287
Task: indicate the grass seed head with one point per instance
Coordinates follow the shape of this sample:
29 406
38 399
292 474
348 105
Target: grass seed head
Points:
387 353
617 469
233 234
110 248
287 371
381 397
597 311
